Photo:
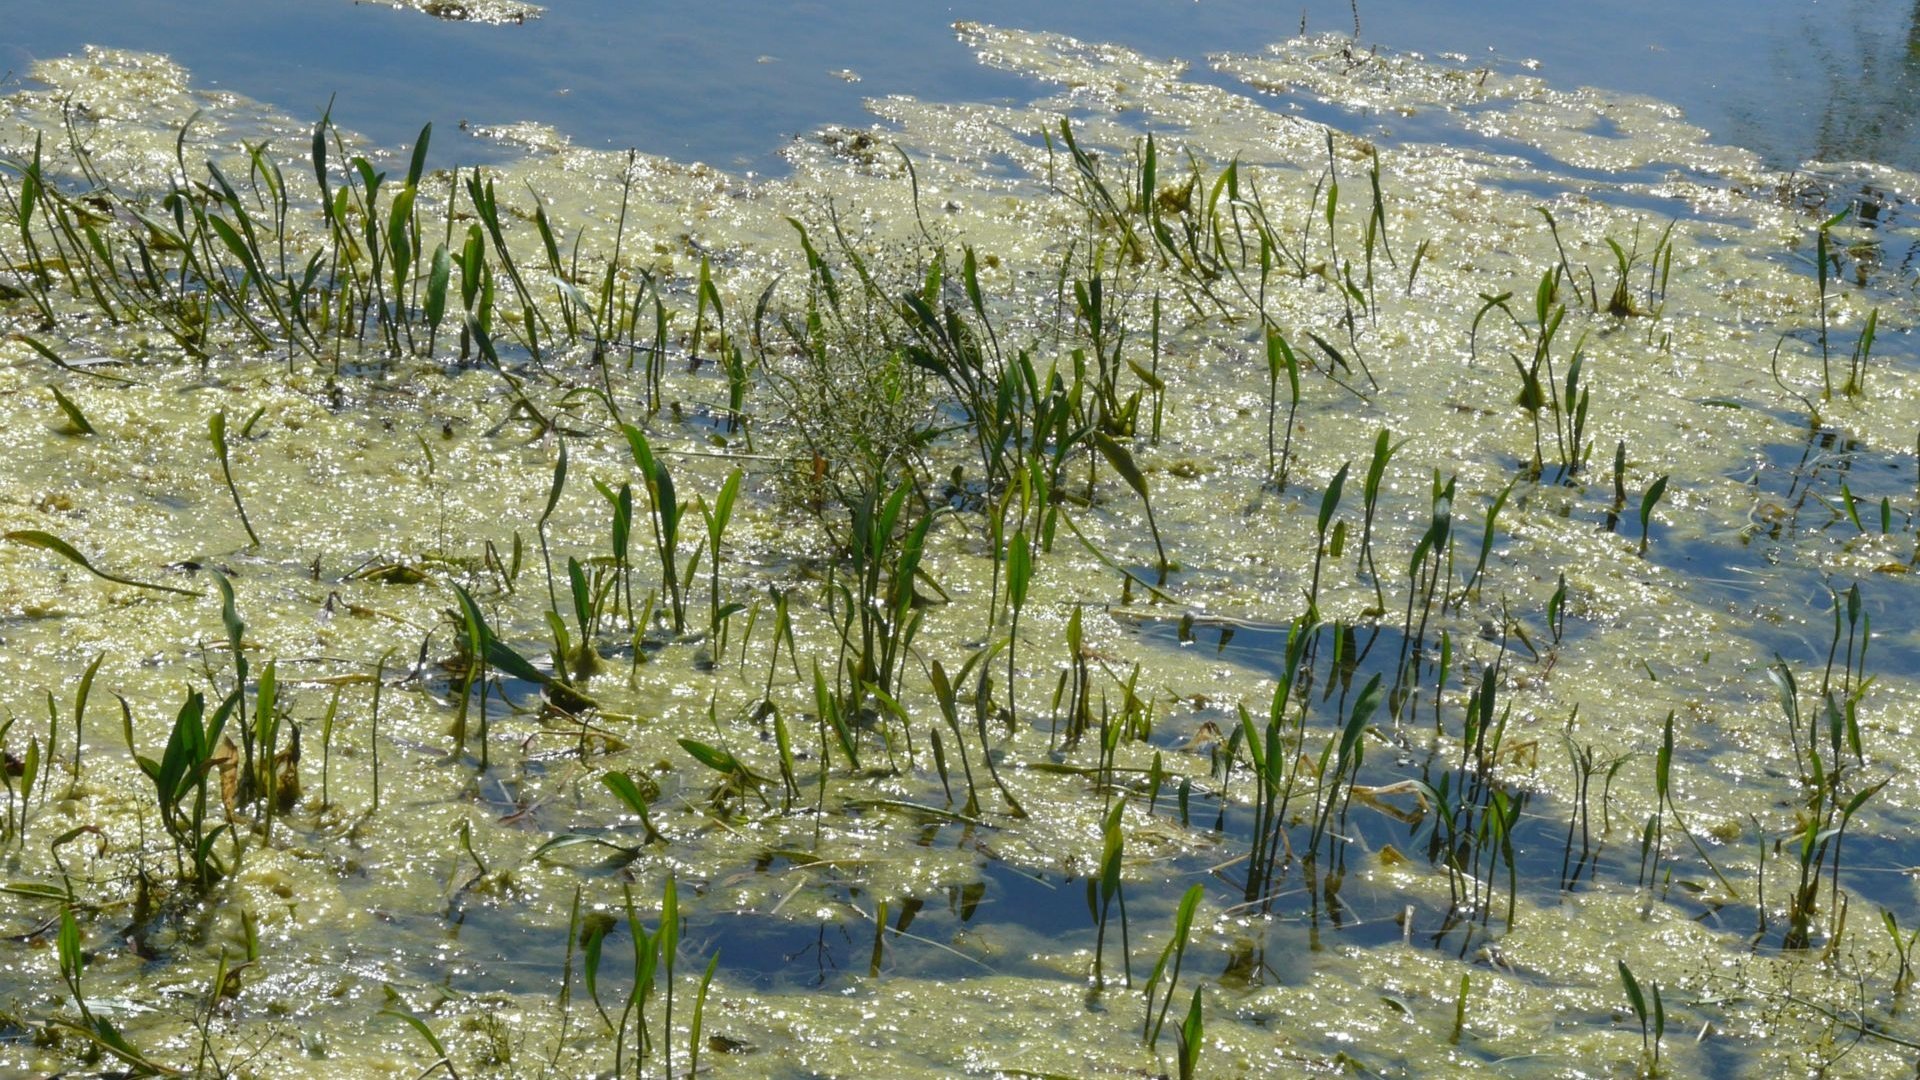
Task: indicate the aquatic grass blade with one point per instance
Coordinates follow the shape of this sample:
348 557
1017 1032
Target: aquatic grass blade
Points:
48 542
76 419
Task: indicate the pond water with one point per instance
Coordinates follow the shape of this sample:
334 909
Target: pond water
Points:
1593 700
729 82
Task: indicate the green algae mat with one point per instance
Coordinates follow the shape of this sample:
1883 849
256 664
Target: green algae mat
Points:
1134 583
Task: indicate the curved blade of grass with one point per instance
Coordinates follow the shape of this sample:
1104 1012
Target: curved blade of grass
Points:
1122 460
1647 502
714 758
217 433
629 792
624 856
78 369
74 416
498 653
49 542
401 1012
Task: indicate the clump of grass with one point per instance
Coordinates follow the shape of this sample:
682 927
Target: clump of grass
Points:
1192 1037
180 779
1903 952
97 1029
482 651
1276 764
14 827
1822 745
1345 754
1856 364
1425 574
1664 805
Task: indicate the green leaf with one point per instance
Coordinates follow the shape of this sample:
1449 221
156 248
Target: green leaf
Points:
593 935
75 417
234 244
401 1012
437 277
723 505
622 785
230 618
1191 1038
1019 569
496 653
419 162
1652 499
712 757
1122 460
559 483
104 1033
567 840
49 542
1532 396
36 891
1634 996
399 222
69 946
1330 501
320 163
667 507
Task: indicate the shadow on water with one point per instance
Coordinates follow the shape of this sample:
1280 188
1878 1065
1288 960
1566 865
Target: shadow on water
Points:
1349 791
989 925
1824 502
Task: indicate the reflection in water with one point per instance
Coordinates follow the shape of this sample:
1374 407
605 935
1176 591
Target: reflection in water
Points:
1867 112
1839 86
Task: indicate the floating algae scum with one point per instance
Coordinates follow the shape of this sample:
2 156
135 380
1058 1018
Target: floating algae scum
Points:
1138 582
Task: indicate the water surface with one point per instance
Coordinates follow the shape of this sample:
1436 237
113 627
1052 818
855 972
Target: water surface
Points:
728 82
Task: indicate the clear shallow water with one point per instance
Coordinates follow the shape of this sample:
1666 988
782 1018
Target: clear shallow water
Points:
727 82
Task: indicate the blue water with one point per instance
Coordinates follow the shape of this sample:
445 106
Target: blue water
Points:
729 81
